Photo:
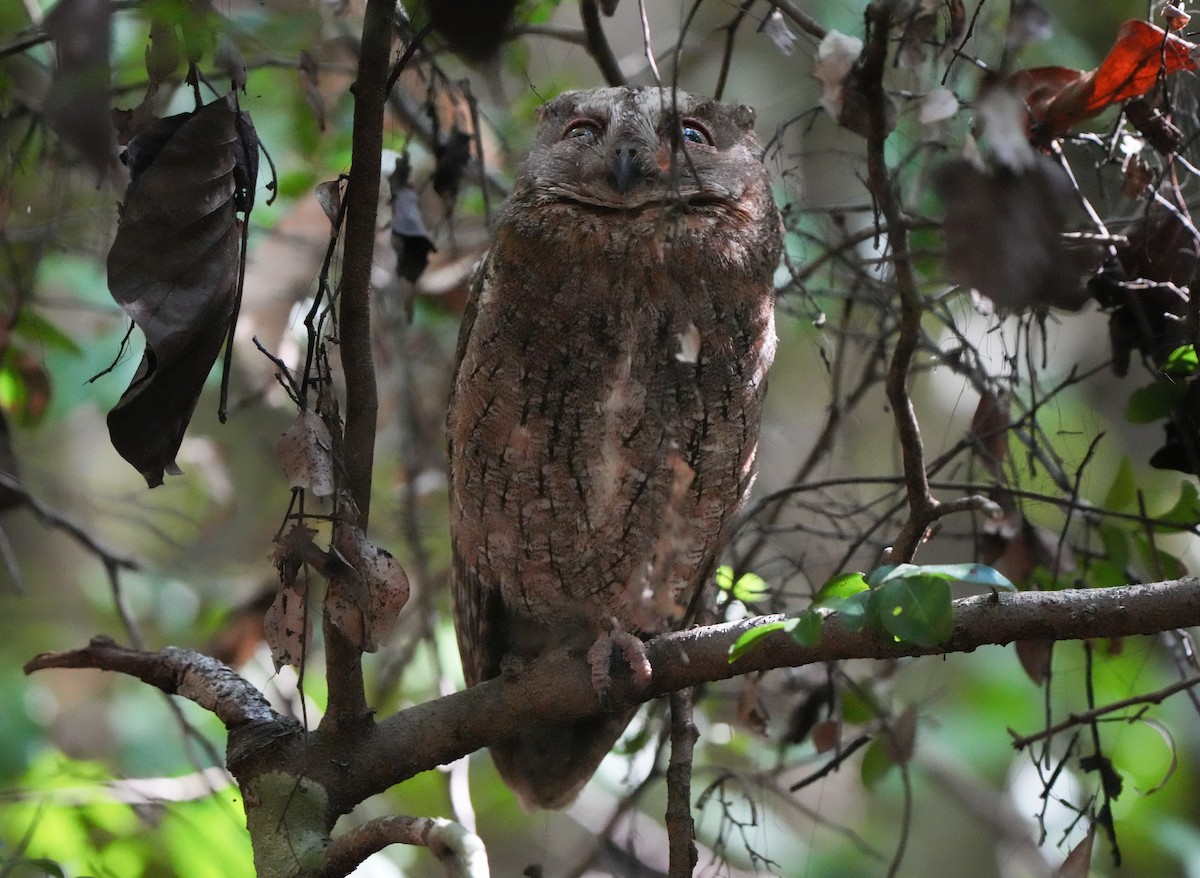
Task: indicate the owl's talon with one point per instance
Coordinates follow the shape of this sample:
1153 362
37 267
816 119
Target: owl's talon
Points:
599 659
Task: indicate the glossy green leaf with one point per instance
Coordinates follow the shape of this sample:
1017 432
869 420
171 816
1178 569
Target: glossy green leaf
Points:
916 609
1154 402
807 631
1181 362
841 586
976 574
851 611
744 643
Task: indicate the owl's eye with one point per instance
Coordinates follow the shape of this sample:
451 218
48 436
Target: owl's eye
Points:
582 129
694 132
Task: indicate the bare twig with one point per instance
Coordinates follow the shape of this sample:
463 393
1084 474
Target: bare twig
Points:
681 829
1020 742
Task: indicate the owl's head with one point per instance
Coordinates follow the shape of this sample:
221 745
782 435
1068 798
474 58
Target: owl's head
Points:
630 147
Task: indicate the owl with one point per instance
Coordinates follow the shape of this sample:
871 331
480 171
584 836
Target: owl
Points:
607 396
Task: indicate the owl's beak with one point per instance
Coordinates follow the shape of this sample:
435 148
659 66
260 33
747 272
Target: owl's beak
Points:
625 168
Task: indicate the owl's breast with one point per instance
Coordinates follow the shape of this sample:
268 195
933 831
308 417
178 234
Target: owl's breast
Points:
604 430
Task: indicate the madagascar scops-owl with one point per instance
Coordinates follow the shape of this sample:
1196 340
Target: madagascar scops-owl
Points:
605 409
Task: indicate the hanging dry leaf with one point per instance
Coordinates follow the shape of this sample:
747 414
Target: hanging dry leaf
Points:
900 737
410 240
1059 98
77 107
775 26
453 154
174 267
989 432
1035 657
1003 230
306 454
365 598
1078 863
287 628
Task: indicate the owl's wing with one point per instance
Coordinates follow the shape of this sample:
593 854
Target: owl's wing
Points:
478 625
477 610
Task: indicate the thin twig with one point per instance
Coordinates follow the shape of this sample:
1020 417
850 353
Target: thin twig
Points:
681 829
1020 742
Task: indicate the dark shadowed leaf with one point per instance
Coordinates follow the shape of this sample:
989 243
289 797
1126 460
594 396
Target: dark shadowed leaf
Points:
1154 402
77 107
1002 233
474 29
173 268
989 432
1035 657
453 154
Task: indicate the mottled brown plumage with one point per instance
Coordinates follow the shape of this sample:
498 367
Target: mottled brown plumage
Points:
606 405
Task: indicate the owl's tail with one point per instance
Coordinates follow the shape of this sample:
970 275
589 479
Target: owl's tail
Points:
547 766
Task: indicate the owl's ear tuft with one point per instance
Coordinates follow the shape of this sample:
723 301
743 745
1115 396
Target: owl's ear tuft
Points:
743 117
555 105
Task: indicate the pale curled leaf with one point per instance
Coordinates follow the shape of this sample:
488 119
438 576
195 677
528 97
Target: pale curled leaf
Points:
306 454
1079 861
835 57
287 628
364 600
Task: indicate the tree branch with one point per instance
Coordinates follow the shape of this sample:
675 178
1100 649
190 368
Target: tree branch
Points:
440 731
597 44
460 852
362 204
184 672
343 663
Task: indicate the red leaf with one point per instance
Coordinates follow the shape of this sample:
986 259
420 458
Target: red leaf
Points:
1060 98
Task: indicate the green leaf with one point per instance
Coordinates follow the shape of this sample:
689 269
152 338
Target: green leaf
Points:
851 611
1154 402
808 628
743 644
916 609
1181 362
1185 514
977 574
748 587
1123 490
1160 563
843 585
876 764
877 576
